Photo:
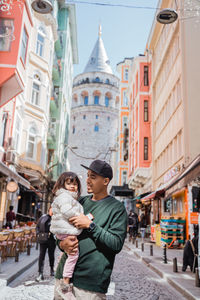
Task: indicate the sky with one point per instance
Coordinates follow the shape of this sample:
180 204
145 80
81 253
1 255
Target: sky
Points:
124 30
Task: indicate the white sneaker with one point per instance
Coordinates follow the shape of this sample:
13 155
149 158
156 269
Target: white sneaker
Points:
65 290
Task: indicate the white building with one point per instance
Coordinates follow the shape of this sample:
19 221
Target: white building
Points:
94 114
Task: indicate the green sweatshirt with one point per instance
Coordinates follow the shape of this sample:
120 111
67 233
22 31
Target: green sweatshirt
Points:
97 249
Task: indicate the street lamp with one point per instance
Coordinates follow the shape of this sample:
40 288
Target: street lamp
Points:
42 6
167 16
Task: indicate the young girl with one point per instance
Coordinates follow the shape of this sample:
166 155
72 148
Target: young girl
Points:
67 190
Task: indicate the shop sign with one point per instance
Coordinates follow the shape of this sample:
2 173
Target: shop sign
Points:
194 217
171 173
12 187
153 234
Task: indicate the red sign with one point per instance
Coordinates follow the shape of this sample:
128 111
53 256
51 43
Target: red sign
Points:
194 217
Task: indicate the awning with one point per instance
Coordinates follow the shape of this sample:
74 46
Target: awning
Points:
157 193
13 175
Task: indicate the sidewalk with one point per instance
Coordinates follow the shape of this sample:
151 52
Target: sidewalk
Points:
184 282
9 269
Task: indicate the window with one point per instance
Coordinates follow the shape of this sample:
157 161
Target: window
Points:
6 34
97 116
106 101
125 123
96 100
124 175
146 110
24 46
125 99
96 127
40 45
107 81
146 75
126 74
108 118
168 205
73 129
17 134
97 79
84 117
31 142
3 128
86 100
35 94
146 148
195 199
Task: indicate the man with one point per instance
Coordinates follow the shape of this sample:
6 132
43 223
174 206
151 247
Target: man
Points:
102 238
10 217
132 225
46 241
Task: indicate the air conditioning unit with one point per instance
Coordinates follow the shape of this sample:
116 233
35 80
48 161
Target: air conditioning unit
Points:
11 157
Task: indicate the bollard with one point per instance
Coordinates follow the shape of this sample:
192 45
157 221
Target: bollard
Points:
28 249
197 280
151 250
142 247
17 255
165 254
175 266
136 243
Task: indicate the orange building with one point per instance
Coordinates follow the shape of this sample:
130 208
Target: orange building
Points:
15 24
123 135
138 91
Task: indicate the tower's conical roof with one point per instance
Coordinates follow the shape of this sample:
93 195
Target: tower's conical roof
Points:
98 61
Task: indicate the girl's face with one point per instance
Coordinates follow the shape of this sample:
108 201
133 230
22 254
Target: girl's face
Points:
71 185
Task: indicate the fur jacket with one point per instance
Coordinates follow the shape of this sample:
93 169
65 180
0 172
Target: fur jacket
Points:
65 206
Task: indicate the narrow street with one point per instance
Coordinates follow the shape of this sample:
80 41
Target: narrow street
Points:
131 280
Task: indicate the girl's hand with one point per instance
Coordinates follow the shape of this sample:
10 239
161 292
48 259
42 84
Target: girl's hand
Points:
80 222
69 245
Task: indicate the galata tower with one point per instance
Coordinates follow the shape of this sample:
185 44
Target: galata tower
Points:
94 114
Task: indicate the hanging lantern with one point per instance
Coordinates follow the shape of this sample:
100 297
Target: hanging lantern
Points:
42 6
167 16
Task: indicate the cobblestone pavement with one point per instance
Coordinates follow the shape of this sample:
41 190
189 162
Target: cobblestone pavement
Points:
131 280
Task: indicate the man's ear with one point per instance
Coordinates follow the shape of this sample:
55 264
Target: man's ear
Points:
106 181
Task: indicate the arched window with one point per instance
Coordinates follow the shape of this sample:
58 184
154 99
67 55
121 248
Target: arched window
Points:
85 100
97 79
108 96
35 96
40 41
107 81
96 99
96 127
31 147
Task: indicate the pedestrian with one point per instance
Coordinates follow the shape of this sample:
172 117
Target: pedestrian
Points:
10 217
132 225
100 240
47 242
143 225
190 252
67 190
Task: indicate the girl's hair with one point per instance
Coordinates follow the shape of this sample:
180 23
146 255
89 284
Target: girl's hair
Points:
67 176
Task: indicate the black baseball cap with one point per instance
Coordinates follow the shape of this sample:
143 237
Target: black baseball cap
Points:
101 168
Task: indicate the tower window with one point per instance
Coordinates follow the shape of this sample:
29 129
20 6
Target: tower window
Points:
86 100
73 129
97 79
96 100
96 127
84 117
106 101
97 116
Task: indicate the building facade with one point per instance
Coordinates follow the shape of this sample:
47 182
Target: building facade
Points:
140 144
175 110
94 114
123 69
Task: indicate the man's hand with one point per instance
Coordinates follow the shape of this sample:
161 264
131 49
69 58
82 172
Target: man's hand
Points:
70 245
80 221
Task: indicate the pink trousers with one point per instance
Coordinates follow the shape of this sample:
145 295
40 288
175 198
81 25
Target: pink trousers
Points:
71 259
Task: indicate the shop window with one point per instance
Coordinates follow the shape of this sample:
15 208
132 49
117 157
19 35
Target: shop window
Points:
168 205
195 199
6 34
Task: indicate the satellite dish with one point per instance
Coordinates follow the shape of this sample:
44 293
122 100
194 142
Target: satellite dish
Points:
42 6
167 16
